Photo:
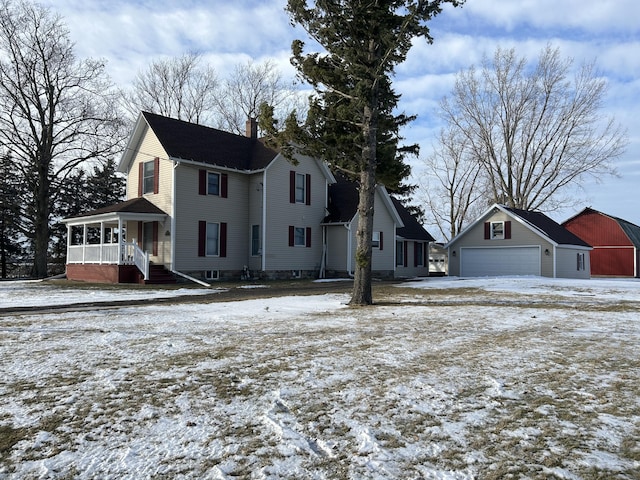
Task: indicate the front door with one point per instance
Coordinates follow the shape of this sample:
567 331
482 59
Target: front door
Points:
147 237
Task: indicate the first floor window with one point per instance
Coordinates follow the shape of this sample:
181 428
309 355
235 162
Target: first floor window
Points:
581 262
376 240
400 253
213 239
419 260
299 236
255 240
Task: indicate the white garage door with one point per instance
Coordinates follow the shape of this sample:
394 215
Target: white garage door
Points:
482 262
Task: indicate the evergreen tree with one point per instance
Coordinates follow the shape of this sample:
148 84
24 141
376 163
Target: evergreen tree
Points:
351 121
11 195
105 185
80 193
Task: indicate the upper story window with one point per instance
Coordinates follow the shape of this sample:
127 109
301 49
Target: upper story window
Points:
148 177
213 183
497 230
299 188
300 184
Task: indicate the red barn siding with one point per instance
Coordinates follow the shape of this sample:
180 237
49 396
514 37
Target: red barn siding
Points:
612 262
613 253
598 230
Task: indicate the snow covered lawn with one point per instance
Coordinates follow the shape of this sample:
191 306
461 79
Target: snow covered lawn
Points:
442 379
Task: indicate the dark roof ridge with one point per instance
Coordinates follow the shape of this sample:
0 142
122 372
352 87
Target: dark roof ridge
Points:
548 226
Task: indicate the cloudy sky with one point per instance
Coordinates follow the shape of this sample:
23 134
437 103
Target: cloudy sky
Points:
130 33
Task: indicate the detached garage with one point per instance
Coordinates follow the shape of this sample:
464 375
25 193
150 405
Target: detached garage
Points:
511 242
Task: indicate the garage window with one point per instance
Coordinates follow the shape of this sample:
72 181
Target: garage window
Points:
497 230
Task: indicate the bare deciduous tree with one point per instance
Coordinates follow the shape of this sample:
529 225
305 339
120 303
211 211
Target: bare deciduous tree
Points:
452 184
55 111
534 130
248 87
179 87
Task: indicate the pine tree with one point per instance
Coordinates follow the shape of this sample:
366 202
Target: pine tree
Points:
11 195
351 121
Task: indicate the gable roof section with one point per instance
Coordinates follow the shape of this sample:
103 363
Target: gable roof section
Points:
344 199
200 144
136 208
550 228
135 205
412 230
631 230
535 221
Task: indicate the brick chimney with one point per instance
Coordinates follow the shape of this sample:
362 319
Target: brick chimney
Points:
252 128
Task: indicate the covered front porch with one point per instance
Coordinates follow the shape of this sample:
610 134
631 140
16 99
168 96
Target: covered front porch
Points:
101 245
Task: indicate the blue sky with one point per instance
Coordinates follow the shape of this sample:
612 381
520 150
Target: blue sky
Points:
129 34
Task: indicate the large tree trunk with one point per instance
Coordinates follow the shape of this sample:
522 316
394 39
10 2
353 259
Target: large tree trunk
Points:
362 294
41 221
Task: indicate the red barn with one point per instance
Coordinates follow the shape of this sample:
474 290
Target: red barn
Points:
616 242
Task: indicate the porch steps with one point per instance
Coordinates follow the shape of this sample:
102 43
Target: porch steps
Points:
159 275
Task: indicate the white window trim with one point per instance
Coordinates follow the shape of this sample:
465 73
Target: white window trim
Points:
206 245
150 178
375 240
492 234
303 178
304 236
219 180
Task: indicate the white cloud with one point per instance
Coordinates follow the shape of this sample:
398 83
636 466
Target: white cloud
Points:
130 33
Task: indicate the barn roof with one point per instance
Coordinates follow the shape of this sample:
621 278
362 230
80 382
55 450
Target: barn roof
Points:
631 230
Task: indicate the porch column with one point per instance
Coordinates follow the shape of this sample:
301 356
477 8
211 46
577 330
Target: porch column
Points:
68 241
84 241
101 240
120 242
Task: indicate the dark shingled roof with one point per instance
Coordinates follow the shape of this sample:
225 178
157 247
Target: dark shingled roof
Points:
135 205
549 227
190 141
632 230
343 200
343 205
412 229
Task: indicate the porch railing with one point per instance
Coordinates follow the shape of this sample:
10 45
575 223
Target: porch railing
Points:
111 254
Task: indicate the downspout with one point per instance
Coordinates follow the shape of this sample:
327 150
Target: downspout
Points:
555 261
173 219
263 240
349 243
